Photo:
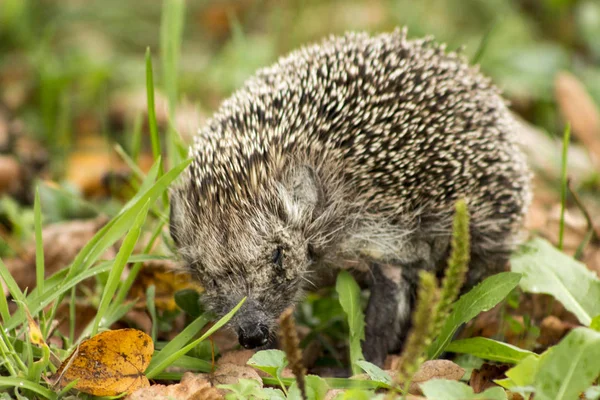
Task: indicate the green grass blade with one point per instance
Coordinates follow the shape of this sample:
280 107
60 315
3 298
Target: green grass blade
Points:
158 364
485 40
193 364
129 161
53 292
563 185
136 139
134 271
25 384
113 231
171 33
11 284
114 277
177 343
151 305
4 312
6 354
153 125
72 317
334 383
112 316
56 284
39 244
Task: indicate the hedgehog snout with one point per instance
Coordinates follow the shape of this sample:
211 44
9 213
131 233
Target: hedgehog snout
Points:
253 335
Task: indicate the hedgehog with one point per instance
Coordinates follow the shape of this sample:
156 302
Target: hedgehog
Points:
348 154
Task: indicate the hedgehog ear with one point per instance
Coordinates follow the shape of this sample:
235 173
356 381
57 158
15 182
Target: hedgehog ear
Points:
304 194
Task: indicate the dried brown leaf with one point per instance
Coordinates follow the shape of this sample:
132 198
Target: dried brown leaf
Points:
191 387
483 378
227 374
578 108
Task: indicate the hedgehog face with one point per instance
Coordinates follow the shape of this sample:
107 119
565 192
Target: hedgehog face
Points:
259 252
269 273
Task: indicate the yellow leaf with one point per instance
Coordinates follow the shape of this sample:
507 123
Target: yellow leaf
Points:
35 334
108 364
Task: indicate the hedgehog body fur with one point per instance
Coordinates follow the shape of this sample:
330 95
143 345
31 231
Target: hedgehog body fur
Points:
349 154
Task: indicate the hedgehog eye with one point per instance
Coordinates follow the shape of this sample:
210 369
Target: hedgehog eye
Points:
277 256
311 253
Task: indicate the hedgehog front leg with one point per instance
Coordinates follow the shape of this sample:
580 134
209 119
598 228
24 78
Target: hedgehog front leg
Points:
388 314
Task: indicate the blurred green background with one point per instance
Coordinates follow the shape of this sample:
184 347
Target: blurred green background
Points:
63 64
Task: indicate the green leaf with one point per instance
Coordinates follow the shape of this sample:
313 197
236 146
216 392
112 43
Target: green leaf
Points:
523 374
246 389
570 367
595 324
489 349
189 301
269 361
349 294
547 270
273 394
374 372
452 390
316 389
481 298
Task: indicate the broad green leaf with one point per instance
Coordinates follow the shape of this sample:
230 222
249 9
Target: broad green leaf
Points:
374 372
547 270
189 301
316 389
273 394
269 361
245 389
437 389
523 374
595 325
570 367
481 298
349 294
489 349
